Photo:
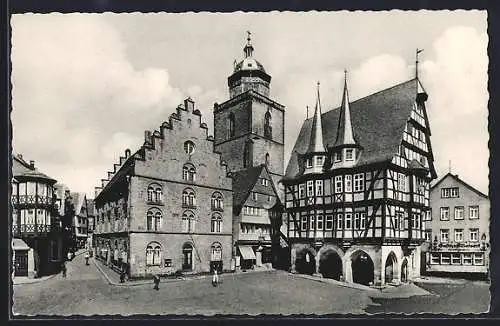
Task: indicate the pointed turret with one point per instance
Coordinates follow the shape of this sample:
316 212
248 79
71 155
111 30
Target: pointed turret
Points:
316 141
345 134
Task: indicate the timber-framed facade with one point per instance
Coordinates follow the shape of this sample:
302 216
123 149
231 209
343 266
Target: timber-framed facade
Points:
357 192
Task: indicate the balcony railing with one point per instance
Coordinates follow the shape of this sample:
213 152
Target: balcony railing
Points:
31 200
217 209
31 229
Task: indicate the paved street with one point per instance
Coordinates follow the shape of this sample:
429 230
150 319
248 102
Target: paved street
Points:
86 292
461 297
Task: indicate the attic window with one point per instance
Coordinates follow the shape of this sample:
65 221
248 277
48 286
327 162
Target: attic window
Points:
349 154
337 157
309 163
189 147
319 160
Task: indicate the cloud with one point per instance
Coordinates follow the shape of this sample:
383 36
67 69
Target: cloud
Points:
75 92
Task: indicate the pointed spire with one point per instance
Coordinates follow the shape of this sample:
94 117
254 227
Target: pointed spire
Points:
345 135
316 141
248 49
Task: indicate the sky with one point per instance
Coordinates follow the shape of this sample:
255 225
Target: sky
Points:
87 86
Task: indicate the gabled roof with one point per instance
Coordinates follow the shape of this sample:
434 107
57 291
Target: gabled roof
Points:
245 181
78 199
90 207
20 168
390 108
455 177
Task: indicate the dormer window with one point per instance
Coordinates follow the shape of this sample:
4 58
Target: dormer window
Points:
337 157
319 160
309 163
349 154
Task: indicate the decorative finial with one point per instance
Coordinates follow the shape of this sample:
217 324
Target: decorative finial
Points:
307 111
416 61
345 75
248 36
248 47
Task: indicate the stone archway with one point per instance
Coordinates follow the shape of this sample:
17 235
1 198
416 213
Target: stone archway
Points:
305 261
391 272
404 270
330 264
363 268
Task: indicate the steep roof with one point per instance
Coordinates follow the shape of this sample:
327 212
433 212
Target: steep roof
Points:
390 108
456 177
77 198
316 139
345 134
245 181
20 168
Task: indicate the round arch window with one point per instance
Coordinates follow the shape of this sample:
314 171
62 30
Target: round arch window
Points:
189 147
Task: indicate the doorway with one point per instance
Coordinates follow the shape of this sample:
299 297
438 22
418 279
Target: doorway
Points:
362 269
390 267
305 262
21 263
187 252
330 265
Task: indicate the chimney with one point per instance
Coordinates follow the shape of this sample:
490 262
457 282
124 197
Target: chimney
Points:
20 156
32 164
147 136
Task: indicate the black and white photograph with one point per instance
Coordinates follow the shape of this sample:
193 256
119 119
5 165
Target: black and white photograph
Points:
249 163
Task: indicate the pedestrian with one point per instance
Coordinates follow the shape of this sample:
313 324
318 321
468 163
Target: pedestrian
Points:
215 278
122 275
156 280
63 269
87 256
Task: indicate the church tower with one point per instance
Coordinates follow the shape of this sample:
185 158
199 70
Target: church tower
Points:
249 127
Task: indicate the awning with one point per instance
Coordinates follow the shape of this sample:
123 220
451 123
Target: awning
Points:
19 244
246 252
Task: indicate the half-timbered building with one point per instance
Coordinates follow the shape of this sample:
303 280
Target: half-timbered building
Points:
357 187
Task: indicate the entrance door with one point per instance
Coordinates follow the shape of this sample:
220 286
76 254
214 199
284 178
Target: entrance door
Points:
21 267
187 251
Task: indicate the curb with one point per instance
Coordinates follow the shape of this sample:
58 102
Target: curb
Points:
335 282
37 280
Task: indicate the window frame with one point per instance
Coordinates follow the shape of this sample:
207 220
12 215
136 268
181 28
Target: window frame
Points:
471 209
456 210
443 210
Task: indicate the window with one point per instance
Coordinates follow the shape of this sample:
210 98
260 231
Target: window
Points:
189 147
415 221
359 182
467 258
188 198
269 198
247 154
155 194
445 258
216 254
216 223
189 172
230 125
151 192
255 196
428 235
329 222
188 222
348 183
153 254
428 215
268 159
319 187
456 259
319 160
158 195
302 192
309 163
473 212
445 235
303 225
401 182
268 133
435 258
338 184
478 258
319 222
363 220
459 235
348 219
357 223
217 201
445 214
459 213
449 192
337 157
264 182
340 222
310 188
349 154
311 222
474 235
154 218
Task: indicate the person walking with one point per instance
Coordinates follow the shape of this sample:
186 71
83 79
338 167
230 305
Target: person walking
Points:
156 281
87 256
215 278
63 269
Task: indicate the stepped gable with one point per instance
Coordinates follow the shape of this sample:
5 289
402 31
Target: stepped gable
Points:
127 162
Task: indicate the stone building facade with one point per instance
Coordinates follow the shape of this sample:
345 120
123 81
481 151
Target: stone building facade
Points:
167 207
457 230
